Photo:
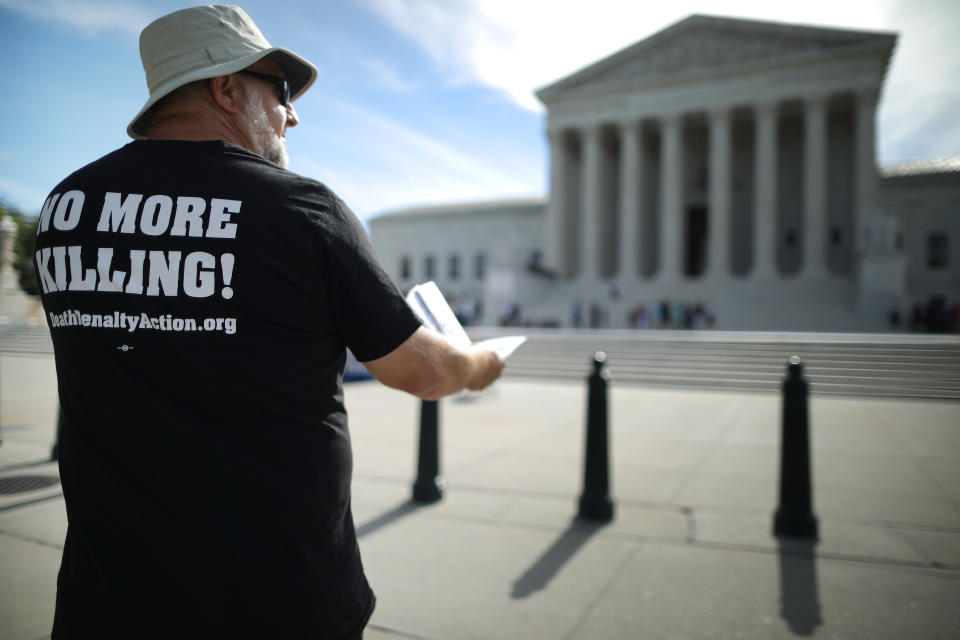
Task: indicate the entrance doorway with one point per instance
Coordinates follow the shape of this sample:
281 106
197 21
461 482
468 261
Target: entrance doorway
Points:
695 242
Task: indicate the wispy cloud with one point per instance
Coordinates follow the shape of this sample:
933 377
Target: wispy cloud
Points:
383 75
25 198
87 17
517 47
922 97
349 61
384 164
391 134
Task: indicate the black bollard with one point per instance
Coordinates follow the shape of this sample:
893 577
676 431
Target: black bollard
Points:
595 502
429 484
794 516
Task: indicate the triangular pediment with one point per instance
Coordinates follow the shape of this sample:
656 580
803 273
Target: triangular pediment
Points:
704 43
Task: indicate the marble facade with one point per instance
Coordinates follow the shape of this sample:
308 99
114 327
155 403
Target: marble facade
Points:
718 148
722 161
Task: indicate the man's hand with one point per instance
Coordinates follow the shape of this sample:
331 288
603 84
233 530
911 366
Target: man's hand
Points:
489 368
429 367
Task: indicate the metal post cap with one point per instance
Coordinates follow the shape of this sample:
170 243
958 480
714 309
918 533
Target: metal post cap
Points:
794 367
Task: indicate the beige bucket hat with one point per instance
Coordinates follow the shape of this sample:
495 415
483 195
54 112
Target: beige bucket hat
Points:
206 42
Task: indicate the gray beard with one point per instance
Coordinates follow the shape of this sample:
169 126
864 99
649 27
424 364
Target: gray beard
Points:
277 154
269 144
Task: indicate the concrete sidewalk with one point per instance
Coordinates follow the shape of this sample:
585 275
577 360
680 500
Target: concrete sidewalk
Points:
689 555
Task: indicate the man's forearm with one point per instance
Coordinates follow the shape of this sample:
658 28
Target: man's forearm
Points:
429 367
472 368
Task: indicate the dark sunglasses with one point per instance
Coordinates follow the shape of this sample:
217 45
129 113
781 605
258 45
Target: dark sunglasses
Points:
281 84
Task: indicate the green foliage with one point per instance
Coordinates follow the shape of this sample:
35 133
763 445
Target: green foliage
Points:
23 244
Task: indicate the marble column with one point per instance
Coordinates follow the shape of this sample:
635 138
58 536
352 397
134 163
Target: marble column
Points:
557 218
630 181
718 254
765 192
671 194
590 218
815 187
867 205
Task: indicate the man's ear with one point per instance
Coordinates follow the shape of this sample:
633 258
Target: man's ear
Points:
227 92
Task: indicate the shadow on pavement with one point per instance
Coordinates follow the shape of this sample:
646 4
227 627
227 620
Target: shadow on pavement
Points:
799 594
387 518
549 564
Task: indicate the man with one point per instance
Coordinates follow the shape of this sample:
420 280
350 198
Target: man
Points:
200 299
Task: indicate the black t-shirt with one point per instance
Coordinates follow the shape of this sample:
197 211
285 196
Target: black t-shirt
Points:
200 301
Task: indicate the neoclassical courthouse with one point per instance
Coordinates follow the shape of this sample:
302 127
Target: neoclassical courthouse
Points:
722 162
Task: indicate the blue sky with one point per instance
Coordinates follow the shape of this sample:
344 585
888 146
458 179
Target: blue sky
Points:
418 101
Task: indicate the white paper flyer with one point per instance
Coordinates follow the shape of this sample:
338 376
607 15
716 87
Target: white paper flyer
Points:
431 307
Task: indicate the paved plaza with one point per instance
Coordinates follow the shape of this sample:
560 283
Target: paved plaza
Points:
690 553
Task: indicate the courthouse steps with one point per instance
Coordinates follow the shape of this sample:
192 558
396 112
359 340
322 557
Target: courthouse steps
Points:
25 339
903 365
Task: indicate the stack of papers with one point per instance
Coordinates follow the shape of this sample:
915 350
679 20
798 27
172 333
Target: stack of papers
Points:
431 307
